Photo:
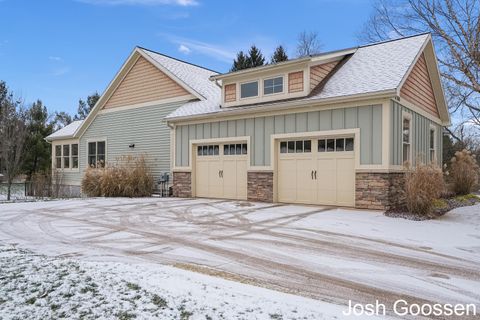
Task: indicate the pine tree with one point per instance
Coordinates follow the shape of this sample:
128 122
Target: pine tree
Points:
255 57
279 55
84 107
241 62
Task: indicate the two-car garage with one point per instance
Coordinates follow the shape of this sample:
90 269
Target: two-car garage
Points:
308 170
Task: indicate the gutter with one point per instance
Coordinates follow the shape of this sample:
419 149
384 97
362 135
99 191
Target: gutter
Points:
282 106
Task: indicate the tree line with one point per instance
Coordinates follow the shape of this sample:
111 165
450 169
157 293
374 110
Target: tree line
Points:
23 128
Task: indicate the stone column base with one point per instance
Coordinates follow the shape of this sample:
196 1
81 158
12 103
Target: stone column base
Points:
383 191
182 184
260 186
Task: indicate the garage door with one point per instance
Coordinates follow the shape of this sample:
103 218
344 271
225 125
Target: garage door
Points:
221 171
317 171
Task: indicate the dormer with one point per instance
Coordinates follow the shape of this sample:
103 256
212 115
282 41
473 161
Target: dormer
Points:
286 80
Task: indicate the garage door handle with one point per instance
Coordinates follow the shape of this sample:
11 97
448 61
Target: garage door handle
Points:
219 174
315 174
312 174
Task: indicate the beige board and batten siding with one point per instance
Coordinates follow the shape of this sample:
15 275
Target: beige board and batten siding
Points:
144 83
420 136
260 129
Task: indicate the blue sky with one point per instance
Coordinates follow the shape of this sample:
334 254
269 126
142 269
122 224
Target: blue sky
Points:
62 50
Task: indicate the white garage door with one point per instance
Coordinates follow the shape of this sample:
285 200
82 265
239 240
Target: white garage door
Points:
317 171
221 171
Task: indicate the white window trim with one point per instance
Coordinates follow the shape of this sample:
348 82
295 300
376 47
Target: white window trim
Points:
434 129
408 116
259 89
62 158
275 93
86 150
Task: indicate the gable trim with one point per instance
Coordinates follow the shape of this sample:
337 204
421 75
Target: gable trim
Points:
117 80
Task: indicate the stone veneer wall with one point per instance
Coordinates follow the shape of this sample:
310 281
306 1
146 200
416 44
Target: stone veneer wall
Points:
260 186
182 184
374 190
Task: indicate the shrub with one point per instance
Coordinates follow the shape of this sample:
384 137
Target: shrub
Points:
128 177
423 184
91 182
463 173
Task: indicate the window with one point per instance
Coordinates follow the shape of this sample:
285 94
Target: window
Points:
75 156
432 145
336 145
406 138
299 146
96 154
274 85
234 149
66 156
209 150
249 89
58 157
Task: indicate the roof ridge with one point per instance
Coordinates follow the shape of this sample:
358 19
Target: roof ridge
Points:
392 40
176 59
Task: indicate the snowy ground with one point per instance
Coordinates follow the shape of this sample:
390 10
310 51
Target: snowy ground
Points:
39 287
329 254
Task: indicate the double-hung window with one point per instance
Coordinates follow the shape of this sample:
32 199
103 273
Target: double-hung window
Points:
96 154
58 156
406 138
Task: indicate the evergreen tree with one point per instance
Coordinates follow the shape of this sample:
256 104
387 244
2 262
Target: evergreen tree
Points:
279 55
241 62
61 119
84 107
37 157
255 57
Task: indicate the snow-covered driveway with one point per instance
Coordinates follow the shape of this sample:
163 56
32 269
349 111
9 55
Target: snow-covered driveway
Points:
325 253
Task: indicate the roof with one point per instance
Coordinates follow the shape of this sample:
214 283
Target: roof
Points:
373 68
66 132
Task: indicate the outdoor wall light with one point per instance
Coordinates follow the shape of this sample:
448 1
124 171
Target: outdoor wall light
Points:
131 146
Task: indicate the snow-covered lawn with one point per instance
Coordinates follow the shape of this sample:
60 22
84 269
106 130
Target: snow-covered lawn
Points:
38 287
328 254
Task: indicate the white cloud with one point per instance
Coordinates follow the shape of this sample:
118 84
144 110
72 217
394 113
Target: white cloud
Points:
60 71
184 3
54 58
184 49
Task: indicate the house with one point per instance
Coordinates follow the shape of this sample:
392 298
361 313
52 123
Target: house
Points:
331 129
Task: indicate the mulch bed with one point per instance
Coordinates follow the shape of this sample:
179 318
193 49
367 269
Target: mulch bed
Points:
451 203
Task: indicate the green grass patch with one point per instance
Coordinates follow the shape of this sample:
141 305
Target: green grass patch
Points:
31 300
440 204
159 301
133 286
467 197
125 315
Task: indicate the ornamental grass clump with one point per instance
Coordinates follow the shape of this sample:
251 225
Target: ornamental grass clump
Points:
423 184
129 177
464 172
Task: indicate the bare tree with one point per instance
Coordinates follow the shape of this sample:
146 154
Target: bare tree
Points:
308 44
455 28
13 130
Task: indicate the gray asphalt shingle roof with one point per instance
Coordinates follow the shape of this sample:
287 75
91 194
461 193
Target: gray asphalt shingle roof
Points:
371 68
65 132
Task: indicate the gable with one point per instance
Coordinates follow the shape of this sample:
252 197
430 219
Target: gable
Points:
418 88
144 83
318 73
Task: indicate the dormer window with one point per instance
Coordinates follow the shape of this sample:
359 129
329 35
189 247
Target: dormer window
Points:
273 85
249 89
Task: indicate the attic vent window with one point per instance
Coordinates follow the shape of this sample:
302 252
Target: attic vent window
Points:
274 85
249 89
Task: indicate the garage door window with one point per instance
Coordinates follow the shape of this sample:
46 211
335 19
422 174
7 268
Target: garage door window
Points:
234 149
298 146
210 150
335 145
